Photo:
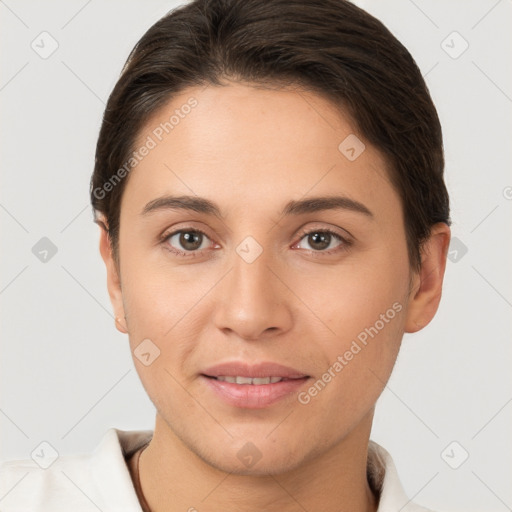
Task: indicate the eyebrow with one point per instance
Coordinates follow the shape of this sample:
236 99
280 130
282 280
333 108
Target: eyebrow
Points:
300 207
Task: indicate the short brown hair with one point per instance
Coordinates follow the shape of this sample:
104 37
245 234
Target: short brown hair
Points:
330 46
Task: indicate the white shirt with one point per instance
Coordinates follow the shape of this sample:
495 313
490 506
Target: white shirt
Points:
101 480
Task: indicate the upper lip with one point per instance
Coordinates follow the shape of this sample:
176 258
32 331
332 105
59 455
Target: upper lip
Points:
242 369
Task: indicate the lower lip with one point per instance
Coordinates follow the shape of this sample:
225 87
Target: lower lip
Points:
251 396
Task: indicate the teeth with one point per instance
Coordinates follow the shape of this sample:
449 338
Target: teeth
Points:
261 380
248 380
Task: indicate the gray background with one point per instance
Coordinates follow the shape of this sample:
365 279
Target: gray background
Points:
66 373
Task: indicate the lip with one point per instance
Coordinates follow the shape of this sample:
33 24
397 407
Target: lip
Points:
241 369
251 396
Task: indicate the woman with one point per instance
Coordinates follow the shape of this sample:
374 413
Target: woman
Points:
273 218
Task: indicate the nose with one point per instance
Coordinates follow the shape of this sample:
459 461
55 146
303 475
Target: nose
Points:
253 301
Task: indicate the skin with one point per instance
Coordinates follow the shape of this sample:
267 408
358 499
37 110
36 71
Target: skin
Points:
251 150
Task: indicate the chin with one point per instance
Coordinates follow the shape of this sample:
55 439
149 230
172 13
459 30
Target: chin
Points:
254 453
267 465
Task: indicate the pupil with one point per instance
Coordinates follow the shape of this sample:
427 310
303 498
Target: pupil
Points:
321 240
189 240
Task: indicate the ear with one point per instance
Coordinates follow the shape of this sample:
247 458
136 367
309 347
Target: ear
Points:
427 283
113 281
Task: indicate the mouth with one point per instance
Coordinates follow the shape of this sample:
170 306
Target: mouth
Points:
253 386
245 373
256 381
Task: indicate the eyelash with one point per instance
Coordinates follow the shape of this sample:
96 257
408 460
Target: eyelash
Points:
345 244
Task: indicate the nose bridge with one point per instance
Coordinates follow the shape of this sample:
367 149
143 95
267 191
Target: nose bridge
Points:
253 299
251 273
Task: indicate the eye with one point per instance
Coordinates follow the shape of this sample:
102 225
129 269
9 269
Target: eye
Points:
322 240
191 241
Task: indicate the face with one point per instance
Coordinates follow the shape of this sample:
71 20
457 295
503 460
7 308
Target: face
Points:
287 262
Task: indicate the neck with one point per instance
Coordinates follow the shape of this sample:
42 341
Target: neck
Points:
173 478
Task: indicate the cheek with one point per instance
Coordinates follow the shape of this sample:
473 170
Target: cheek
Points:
166 306
162 322
360 360
362 308
156 296
355 297
365 339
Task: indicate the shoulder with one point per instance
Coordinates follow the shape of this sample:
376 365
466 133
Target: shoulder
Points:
99 480
24 485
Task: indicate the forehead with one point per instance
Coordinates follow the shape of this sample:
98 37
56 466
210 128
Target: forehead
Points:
265 145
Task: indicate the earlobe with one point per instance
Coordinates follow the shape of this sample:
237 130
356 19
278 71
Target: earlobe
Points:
428 282
113 280
121 325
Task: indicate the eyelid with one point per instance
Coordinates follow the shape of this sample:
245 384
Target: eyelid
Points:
342 233
182 226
